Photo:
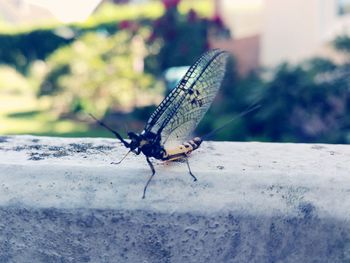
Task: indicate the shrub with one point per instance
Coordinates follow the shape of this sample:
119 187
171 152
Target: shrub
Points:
12 81
96 73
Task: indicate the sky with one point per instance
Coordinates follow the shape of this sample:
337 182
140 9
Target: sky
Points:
68 10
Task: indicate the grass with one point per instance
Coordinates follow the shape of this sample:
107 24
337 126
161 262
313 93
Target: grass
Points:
25 114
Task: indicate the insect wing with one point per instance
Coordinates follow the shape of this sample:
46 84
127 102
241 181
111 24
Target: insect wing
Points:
181 111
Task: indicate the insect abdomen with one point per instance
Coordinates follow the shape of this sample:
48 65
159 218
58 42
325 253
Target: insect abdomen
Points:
182 150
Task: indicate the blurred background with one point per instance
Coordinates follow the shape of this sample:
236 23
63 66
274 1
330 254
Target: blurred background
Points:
118 59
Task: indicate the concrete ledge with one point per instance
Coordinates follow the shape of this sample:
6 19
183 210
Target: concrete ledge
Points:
62 201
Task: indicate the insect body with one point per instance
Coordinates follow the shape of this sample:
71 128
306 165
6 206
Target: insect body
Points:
183 150
165 136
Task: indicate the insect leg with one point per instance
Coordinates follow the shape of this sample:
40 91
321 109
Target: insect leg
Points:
189 169
122 158
150 178
126 144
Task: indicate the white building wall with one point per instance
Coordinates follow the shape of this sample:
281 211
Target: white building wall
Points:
289 30
243 17
294 30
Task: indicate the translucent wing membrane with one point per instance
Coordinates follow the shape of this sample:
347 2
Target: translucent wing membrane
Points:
181 111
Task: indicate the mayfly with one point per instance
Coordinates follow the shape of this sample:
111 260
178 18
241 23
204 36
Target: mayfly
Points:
166 134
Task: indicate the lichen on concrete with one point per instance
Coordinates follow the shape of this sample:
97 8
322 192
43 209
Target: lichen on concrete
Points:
36 152
3 139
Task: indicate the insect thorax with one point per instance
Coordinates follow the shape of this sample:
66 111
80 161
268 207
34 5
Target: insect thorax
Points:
150 145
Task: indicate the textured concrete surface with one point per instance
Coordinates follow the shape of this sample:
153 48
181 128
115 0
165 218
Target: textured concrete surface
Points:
62 201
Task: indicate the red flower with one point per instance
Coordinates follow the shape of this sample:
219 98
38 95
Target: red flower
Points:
124 24
130 25
170 3
218 21
192 16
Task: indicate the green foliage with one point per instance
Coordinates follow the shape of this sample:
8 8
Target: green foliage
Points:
342 43
179 38
304 109
204 8
19 50
181 41
303 103
95 74
110 12
11 81
21 47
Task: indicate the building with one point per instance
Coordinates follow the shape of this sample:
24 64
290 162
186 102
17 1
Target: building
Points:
269 32
20 12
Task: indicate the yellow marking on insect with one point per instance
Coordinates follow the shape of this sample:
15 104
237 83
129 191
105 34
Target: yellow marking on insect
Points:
143 142
182 150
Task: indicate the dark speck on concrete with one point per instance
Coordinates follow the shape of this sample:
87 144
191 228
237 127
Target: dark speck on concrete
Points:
19 148
55 148
307 210
41 156
80 147
35 147
211 147
220 167
35 158
85 147
60 154
102 147
4 139
318 147
61 151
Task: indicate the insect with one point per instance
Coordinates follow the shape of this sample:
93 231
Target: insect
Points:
166 134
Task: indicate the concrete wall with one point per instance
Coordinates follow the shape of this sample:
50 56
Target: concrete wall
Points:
62 201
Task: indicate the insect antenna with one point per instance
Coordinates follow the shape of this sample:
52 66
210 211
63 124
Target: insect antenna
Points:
248 110
126 144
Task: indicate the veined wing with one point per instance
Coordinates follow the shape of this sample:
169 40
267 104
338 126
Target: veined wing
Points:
181 111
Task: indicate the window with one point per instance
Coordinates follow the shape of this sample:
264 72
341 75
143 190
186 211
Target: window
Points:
343 7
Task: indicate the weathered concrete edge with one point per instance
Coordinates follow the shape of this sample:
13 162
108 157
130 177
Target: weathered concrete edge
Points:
257 178
254 202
